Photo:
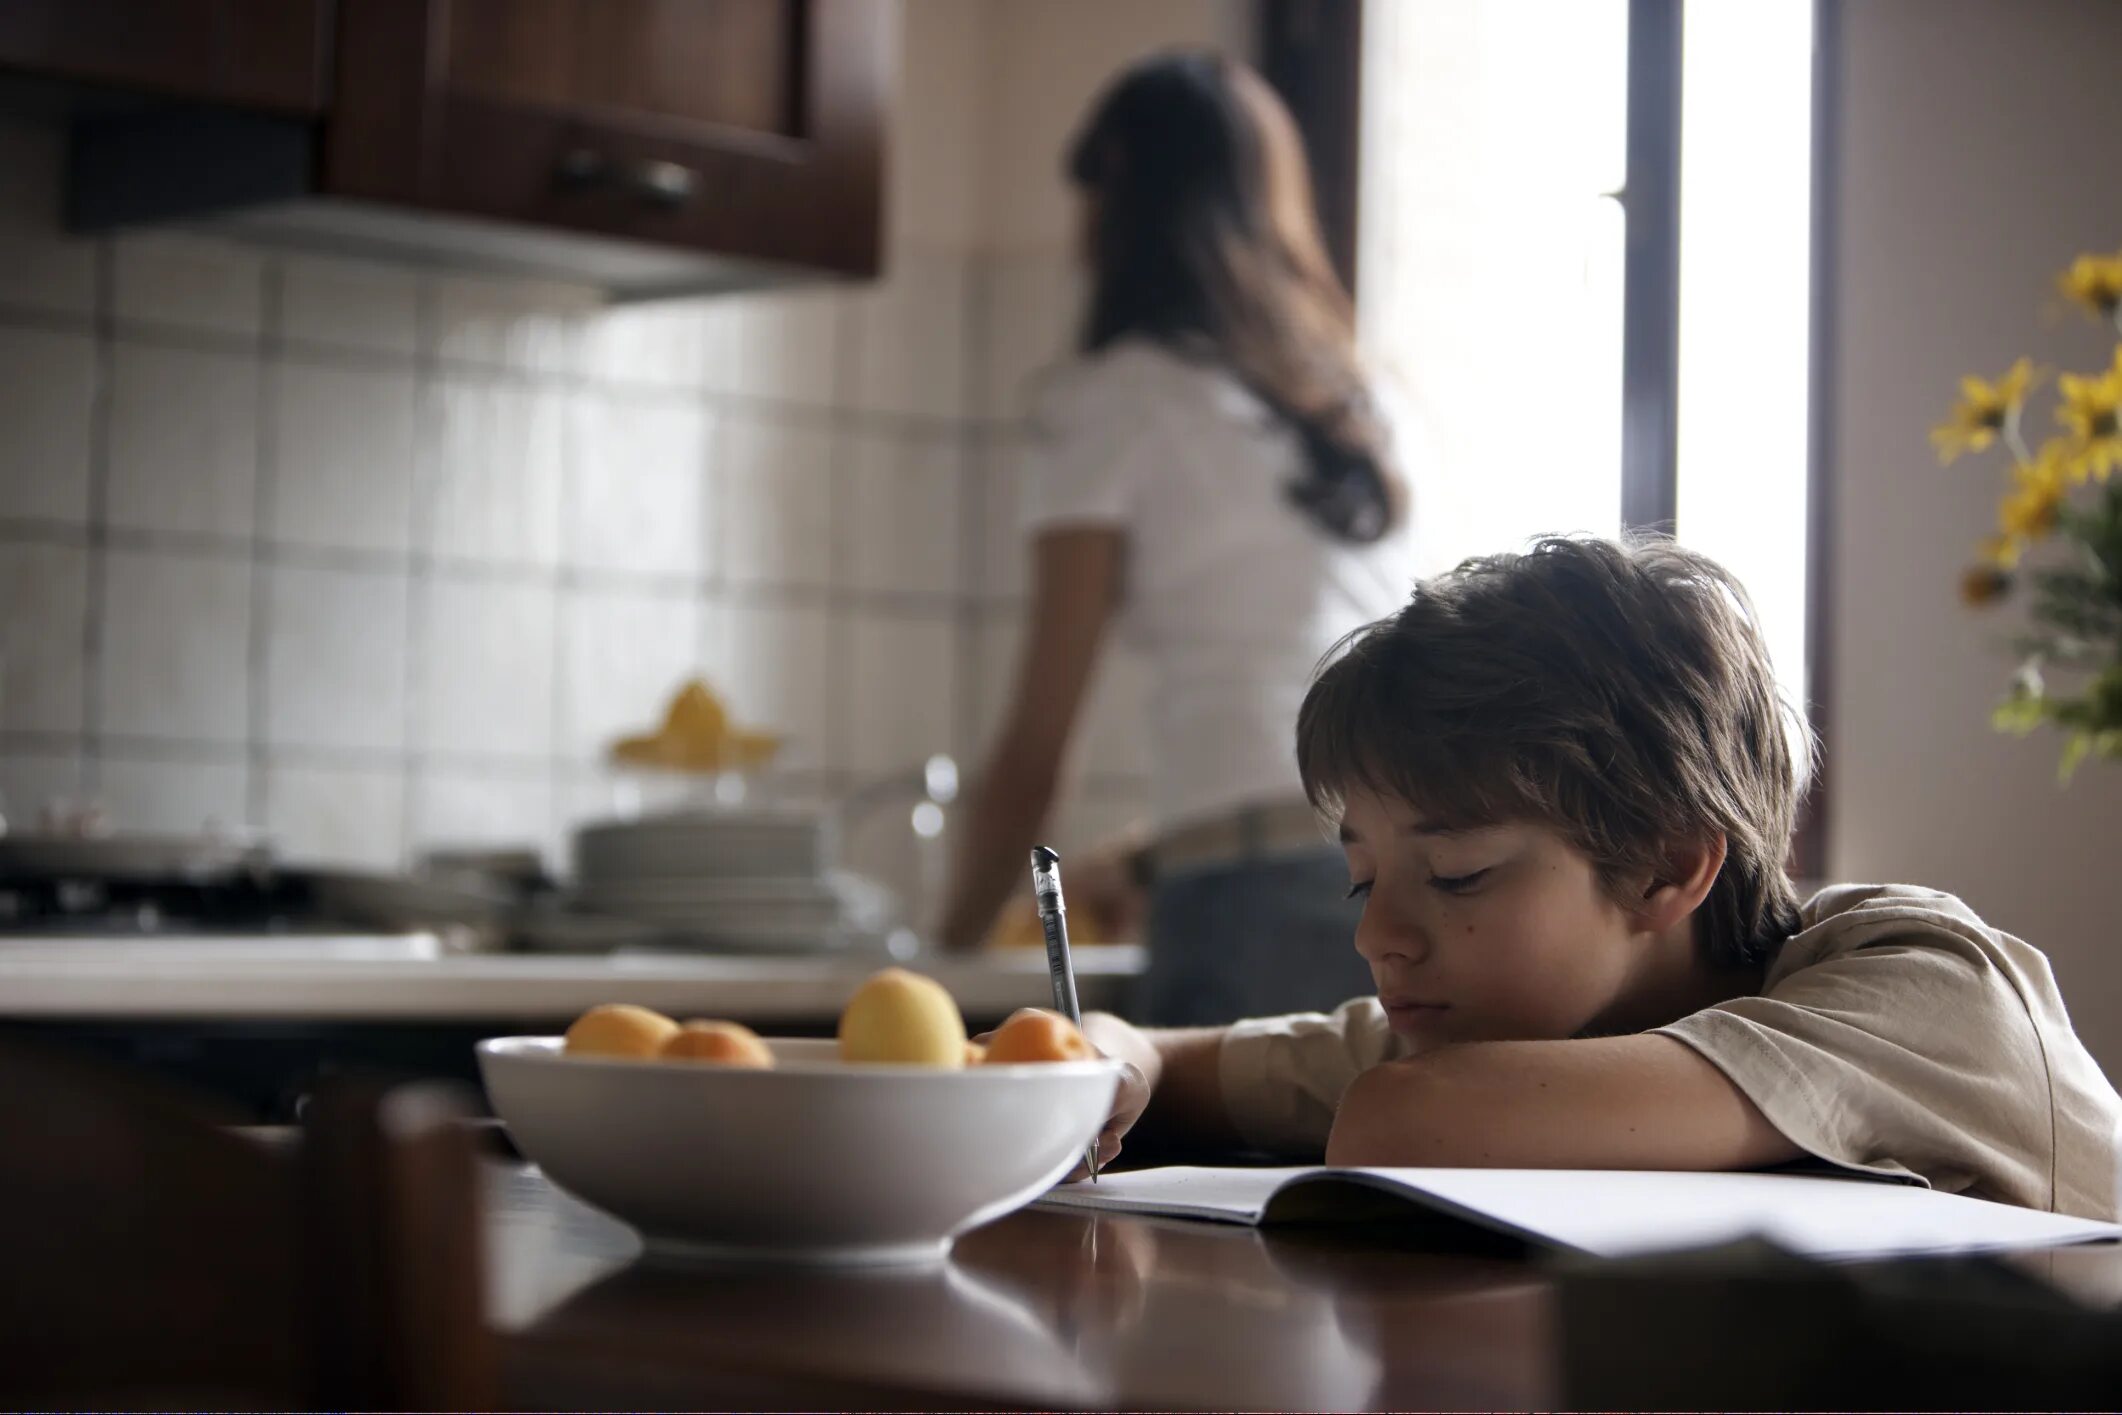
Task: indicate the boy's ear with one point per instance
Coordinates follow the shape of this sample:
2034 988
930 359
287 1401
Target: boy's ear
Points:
1682 881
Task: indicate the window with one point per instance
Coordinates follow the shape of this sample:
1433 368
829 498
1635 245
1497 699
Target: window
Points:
1571 380
1745 306
1490 249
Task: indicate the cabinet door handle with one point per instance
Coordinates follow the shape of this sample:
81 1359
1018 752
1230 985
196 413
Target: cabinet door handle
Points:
580 168
662 183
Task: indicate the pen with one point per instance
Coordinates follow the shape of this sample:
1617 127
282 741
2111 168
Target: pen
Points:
1053 918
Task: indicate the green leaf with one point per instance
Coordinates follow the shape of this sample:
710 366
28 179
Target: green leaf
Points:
2074 752
2018 716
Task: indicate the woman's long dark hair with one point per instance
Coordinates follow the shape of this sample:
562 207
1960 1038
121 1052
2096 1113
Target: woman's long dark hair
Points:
1204 230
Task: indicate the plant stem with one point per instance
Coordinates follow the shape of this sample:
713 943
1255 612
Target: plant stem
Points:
2014 440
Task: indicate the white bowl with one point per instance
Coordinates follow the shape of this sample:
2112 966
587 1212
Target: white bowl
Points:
816 1160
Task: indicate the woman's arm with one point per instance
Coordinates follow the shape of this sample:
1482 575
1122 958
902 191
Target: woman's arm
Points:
1076 583
1636 1102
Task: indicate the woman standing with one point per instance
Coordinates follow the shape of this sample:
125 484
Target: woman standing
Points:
1212 477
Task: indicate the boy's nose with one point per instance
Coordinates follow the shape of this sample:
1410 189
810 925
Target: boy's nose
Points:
1380 936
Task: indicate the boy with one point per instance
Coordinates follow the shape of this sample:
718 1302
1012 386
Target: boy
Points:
1566 786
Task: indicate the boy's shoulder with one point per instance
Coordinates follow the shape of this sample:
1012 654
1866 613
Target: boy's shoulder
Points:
1853 905
1898 1032
1844 918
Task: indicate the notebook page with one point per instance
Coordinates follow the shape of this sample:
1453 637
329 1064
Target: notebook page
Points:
1614 1213
1610 1213
1179 1191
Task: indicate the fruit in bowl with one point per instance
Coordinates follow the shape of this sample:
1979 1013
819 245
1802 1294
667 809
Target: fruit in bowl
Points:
724 1043
1034 1034
793 1152
898 1016
620 1029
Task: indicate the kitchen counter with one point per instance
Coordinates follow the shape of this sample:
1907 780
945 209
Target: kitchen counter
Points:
163 982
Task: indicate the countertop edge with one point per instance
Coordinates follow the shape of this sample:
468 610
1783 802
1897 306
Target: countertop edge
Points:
503 987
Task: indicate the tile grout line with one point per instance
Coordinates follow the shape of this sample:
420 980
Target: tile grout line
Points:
973 492
412 773
911 604
838 674
265 384
711 632
89 768
564 590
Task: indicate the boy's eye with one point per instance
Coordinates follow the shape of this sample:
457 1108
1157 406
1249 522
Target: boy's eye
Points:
1457 884
1359 890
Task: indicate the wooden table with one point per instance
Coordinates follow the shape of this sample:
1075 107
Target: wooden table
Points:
1044 1308
1055 1309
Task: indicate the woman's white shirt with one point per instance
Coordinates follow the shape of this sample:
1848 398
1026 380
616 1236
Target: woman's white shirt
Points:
1232 593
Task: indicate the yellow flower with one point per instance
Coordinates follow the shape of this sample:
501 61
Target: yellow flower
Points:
2000 552
2028 511
2089 408
1983 584
2094 281
1982 411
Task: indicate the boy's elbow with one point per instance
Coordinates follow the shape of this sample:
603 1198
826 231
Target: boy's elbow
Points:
1390 1115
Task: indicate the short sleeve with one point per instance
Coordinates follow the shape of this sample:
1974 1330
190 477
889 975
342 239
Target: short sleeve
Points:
1091 439
1282 1077
1912 1056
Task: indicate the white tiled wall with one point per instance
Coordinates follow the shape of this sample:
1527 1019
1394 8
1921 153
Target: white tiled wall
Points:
335 660
42 652
172 661
343 456
183 452
48 387
377 558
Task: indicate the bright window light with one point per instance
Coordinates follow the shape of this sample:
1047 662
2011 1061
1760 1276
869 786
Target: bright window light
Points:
1745 299
1491 259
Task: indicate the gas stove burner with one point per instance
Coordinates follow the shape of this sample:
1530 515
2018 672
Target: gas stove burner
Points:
144 888
271 904
132 857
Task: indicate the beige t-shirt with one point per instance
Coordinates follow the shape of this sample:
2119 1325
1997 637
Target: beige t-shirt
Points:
1895 1033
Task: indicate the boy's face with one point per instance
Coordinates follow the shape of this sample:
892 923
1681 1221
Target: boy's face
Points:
1499 933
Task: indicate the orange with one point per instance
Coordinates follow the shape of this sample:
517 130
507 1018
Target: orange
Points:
1034 1034
619 1029
723 1043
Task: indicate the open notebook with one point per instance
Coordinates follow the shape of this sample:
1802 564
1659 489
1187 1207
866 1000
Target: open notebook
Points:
1603 1212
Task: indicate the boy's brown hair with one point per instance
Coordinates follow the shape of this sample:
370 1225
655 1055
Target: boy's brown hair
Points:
1618 693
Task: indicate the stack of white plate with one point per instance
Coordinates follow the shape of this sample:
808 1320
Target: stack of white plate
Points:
754 844
751 881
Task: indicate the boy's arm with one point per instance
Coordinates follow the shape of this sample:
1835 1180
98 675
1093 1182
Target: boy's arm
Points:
1636 1102
1176 1087
1186 1103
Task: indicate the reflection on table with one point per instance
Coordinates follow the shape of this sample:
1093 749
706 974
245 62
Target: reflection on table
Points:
1043 1308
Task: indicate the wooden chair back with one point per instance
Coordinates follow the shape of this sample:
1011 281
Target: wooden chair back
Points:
151 1255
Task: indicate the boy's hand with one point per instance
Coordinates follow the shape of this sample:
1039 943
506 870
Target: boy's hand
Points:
1141 1068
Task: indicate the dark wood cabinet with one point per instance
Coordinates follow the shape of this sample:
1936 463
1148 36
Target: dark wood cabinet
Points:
746 127
266 54
646 145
